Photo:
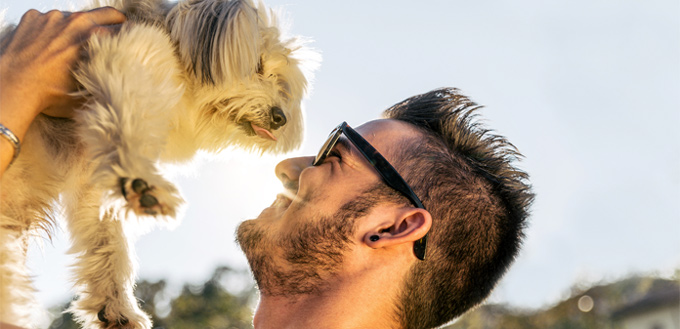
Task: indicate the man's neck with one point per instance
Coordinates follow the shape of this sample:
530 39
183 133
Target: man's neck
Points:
361 303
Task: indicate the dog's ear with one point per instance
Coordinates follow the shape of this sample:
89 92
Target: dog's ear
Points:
217 39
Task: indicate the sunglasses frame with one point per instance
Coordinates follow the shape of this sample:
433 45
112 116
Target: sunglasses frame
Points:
389 175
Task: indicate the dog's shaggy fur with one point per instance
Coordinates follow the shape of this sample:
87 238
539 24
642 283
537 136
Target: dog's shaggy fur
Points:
178 78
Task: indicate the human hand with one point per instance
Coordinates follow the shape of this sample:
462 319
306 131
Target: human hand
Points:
37 59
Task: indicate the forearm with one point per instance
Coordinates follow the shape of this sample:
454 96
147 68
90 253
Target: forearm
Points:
17 111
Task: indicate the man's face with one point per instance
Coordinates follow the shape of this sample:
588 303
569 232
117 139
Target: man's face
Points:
301 239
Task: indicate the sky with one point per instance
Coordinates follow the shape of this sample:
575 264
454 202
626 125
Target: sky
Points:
588 90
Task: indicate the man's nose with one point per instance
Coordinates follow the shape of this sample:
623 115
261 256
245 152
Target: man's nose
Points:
288 171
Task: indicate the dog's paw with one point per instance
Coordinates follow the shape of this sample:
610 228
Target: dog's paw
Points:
115 314
148 199
140 195
119 321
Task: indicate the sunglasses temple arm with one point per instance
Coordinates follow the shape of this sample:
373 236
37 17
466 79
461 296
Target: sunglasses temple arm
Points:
392 178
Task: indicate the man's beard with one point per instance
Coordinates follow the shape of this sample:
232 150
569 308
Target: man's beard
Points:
310 256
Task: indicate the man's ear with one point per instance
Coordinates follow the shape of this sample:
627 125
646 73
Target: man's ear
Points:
408 226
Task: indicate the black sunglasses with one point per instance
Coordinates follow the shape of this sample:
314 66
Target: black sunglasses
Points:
384 168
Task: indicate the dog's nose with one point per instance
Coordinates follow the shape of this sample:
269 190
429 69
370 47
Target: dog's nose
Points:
278 118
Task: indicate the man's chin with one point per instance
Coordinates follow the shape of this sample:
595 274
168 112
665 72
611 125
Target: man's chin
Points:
249 235
251 232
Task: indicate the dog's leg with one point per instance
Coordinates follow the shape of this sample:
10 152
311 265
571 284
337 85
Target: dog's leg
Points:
134 84
16 291
105 268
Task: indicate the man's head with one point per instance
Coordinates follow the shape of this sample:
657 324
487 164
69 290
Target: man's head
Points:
476 205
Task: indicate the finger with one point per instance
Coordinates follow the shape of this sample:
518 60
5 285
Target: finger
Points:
6 40
30 14
27 20
106 16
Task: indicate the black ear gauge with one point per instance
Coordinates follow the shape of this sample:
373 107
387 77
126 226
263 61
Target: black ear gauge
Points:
374 238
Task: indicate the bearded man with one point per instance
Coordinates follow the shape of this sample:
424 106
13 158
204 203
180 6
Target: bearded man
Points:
405 222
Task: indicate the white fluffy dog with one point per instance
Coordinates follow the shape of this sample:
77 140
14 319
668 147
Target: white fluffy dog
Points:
178 78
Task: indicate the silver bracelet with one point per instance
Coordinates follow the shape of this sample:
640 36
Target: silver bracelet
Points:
12 138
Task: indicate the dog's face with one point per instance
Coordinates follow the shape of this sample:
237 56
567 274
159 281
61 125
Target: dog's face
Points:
248 82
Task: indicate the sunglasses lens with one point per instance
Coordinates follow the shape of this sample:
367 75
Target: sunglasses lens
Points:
328 146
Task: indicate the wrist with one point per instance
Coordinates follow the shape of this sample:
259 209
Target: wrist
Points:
20 103
12 139
15 114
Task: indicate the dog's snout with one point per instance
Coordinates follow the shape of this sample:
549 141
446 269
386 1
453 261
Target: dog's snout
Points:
278 118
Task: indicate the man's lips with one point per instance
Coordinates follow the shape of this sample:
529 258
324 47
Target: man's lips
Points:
276 209
282 201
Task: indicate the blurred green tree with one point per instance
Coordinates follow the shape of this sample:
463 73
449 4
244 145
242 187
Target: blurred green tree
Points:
212 305
225 301
570 313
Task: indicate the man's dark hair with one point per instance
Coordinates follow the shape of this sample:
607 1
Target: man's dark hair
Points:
479 201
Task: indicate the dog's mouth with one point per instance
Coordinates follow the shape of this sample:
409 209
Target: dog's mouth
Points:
253 129
276 120
262 132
